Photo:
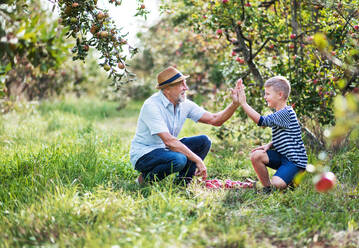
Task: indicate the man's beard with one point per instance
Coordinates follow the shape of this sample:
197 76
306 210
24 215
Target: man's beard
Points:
181 98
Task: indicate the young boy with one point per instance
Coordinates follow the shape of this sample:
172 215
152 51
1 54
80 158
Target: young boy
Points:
286 152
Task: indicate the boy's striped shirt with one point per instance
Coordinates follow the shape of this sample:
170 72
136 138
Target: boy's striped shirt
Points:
286 135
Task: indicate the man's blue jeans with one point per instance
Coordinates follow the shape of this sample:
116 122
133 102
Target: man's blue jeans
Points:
162 162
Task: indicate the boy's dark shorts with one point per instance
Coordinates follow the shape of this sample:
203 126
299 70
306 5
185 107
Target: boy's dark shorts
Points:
285 169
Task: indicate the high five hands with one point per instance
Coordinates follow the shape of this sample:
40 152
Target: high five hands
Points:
238 94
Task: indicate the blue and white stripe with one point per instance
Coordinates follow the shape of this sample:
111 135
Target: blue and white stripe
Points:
286 135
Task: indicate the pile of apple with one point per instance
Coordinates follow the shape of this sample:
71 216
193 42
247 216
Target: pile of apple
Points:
228 184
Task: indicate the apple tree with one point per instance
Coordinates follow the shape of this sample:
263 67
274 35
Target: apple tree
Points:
167 44
305 41
31 38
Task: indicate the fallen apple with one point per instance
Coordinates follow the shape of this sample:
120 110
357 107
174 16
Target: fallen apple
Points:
326 182
209 185
228 184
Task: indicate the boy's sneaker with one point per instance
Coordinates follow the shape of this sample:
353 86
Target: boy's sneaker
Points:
267 190
140 180
291 186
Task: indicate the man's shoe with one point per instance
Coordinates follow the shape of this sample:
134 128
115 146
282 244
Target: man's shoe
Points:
140 180
182 181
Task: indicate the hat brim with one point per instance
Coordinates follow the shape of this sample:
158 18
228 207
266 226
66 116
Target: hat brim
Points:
174 82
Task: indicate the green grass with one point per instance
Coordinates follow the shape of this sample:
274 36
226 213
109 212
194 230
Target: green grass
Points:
66 181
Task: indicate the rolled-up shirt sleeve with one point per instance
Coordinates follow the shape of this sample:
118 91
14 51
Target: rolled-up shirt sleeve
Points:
153 119
196 112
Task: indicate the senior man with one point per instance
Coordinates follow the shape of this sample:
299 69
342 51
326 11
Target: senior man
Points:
155 150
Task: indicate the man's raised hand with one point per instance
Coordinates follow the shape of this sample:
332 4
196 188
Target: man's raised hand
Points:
239 83
240 90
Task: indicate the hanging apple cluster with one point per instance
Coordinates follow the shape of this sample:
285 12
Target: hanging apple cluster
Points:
313 45
93 28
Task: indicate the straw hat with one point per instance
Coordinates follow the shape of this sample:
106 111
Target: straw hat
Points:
169 76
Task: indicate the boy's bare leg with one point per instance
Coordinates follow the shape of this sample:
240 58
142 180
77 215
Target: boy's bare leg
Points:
259 160
278 182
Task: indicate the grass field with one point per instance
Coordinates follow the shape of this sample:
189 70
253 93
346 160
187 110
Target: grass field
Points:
66 181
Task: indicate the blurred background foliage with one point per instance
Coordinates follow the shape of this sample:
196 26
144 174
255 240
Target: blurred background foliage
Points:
313 44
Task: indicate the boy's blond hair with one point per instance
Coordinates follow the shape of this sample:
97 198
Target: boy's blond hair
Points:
279 83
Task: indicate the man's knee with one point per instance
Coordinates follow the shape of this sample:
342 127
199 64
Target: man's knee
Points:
179 162
278 182
206 141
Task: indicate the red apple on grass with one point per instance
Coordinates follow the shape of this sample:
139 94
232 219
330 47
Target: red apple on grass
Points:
209 185
217 183
228 184
213 184
326 182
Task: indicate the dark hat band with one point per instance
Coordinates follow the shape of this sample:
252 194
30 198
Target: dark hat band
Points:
178 75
